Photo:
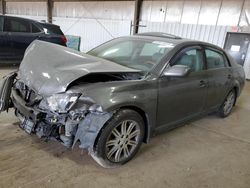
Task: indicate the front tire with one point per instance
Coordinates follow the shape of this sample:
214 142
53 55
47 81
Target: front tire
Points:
228 104
120 140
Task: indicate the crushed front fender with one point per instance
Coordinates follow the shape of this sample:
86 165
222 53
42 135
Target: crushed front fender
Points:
89 128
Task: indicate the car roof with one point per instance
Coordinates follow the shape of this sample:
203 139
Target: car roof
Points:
28 19
176 40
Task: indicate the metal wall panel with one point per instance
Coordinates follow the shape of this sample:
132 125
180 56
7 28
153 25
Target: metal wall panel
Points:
206 33
205 12
114 10
146 10
26 8
230 12
174 11
244 23
209 12
158 11
93 32
191 11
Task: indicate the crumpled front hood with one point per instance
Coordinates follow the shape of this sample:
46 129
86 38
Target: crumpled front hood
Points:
49 68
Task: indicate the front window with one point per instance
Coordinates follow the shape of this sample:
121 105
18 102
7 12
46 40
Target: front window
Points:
133 53
191 58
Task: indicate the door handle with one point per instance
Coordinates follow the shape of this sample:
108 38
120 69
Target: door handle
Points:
203 83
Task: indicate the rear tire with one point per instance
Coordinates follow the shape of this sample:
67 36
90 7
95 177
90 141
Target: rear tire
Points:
227 106
120 140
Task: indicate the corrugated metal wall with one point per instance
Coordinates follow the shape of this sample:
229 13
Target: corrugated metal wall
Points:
108 10
93 32
27 8
95 22
207 33
201 12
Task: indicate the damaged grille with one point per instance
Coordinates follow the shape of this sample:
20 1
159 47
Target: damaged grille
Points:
26 93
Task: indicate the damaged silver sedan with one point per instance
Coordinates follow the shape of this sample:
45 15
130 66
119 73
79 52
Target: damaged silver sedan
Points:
121 93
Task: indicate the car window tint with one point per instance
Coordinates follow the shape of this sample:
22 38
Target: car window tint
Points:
226 62
191 58
149 49
16 25
35 29
138 54
214 59
1 23
52 29
119 50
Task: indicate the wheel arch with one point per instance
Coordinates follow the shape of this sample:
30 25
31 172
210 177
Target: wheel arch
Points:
140 111
144 116
236 90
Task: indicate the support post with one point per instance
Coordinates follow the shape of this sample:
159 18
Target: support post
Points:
137 14
3 7
50 5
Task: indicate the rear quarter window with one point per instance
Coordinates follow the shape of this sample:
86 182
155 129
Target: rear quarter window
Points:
215 59
52 29
35 29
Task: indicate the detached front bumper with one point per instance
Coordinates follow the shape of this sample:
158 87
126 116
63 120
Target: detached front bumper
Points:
22 108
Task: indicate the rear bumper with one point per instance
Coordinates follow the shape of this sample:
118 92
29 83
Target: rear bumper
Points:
23 109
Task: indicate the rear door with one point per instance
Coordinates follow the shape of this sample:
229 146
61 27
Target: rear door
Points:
219 77
20 33
5 43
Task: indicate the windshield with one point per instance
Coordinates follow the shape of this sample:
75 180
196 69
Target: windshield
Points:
133 53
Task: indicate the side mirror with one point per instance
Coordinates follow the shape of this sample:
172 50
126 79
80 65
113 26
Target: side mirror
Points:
177 71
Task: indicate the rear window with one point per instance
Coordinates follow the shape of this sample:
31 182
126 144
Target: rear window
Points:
35 29
16 25
52 29
1 23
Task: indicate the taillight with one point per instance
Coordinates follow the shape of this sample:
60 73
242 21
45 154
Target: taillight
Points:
63 39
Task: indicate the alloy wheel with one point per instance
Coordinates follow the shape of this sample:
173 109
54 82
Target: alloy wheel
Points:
122 141
229 102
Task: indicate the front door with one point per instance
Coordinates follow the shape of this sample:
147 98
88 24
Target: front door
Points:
181 98
236 44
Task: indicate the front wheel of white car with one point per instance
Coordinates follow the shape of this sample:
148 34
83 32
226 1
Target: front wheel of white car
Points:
120 140
228 104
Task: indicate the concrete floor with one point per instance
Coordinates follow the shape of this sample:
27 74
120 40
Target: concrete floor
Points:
210 152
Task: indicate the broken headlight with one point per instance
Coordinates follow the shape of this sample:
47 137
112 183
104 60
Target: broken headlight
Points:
60 102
